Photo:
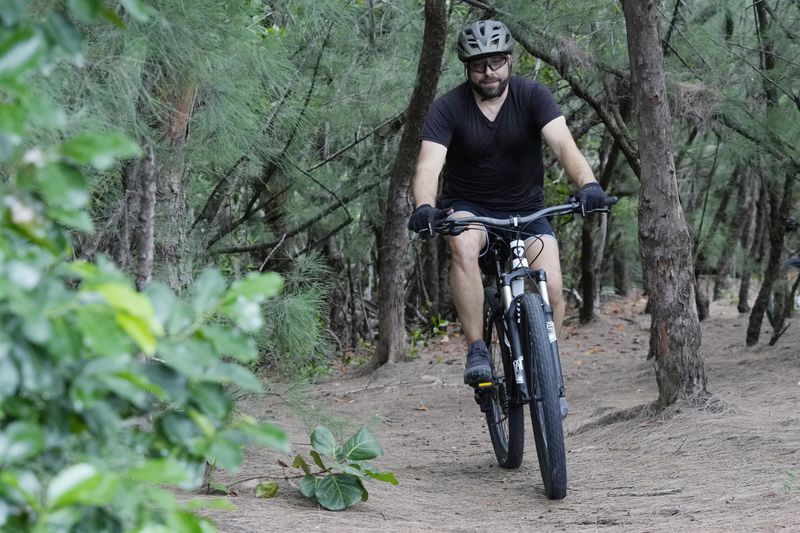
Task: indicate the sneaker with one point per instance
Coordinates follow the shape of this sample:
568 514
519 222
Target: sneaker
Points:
478 368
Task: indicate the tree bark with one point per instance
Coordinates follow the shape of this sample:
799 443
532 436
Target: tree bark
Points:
393 252
173 191
664 238
147 216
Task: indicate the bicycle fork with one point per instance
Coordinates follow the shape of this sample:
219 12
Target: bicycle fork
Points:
512 287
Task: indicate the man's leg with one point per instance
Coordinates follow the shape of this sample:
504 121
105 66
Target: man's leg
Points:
467 289
543 254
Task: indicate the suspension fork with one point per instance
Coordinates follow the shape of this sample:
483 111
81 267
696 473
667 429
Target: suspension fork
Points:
541 280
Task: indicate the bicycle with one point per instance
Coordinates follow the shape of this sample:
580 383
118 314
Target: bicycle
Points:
526 368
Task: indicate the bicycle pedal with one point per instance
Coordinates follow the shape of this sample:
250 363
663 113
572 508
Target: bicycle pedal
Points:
483 398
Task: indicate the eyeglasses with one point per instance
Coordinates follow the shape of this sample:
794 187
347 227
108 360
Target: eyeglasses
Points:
493 62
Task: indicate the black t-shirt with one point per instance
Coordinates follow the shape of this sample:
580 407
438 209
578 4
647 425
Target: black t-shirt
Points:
497 164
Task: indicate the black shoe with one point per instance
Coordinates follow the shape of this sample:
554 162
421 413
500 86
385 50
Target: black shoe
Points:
478 368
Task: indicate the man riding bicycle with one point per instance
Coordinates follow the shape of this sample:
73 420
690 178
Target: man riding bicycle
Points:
486 134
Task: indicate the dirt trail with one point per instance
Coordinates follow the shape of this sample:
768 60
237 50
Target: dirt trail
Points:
686 470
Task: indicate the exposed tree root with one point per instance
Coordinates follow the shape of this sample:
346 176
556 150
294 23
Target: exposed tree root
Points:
701 401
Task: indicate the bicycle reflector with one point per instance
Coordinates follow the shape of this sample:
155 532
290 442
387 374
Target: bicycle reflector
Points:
485 384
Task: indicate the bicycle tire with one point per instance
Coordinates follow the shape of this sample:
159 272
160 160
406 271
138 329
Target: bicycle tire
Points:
548 432
504 419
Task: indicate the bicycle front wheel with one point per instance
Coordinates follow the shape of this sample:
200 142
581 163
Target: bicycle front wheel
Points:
545 408
504 417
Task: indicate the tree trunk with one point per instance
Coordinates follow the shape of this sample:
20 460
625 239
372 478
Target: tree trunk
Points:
147 217
622 275
173 191
754 244
664 239
393 251
780 198
734 232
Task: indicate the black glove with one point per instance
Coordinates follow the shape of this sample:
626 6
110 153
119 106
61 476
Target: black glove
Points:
424 218
592 197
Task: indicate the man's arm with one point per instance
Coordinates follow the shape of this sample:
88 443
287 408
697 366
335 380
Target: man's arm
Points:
559 139
426 178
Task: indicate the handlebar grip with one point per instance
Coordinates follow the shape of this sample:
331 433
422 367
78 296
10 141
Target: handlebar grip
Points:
611 200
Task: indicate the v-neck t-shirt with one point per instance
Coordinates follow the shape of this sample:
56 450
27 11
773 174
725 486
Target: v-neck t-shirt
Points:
495 164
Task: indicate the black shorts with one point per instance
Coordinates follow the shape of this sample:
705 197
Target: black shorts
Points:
537 228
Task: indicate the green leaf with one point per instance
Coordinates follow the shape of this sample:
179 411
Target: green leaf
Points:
231 341
9 375
64 186
267 490
255 287
20 51
123 297
163 301
86 10
246 314
112 17
12 11
47 115
317 459
12 123
179 428
64 34
137 8
300 462
81 483
388 477
225 454
159 471
138 331
20 441
266 434
180 521
101 150
190 357
208 291
339 491
362 446
322 440
79 220
212 400
101 333
233 373
308 487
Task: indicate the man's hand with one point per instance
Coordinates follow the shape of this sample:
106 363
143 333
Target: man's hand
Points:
423 219
592 197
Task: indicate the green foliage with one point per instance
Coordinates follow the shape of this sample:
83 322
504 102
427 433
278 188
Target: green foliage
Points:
343 469
789 482
106 394
418 338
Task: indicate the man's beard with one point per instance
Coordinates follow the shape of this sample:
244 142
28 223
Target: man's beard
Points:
487 93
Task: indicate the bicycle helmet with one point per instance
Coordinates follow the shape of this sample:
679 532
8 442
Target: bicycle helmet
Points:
484 38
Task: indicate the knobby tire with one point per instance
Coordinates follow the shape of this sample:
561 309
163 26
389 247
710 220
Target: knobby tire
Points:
505 419
548 431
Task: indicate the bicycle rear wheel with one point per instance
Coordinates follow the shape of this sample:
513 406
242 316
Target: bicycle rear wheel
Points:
504 418
545 408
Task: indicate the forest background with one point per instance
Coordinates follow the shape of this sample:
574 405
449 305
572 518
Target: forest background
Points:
271 136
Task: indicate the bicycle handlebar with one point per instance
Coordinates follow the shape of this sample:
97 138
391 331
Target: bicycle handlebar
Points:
454 226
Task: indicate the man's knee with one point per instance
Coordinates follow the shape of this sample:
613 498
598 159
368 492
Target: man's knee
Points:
465 249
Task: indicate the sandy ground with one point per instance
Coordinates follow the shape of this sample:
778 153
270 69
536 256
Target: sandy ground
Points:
689 469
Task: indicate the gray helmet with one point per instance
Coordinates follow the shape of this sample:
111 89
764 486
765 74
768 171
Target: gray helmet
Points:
484 38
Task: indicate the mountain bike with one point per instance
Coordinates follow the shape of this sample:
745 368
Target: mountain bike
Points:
520 333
